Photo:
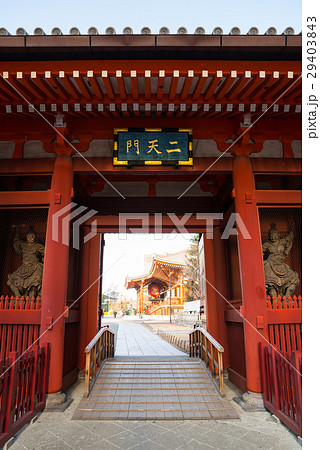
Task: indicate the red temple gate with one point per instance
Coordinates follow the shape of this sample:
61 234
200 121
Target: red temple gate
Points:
224 86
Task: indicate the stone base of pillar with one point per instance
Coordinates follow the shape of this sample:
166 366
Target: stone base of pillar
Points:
81 374
251 402
58 401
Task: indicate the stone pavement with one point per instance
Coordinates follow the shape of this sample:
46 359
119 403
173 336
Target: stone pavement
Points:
134 340
57 430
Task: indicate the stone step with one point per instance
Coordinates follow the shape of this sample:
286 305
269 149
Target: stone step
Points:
149 390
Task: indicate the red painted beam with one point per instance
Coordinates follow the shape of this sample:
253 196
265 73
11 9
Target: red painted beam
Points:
45 166
212 87
200 164
223 88
31 85
96 88
83 87
20 88
277 197
230 315
75 94
277 165
160 88
104 222
236 88
108 87
187 85
153 99
203 128
201 82
24 317
155 65
277 316
134 85
25 198
58 86
252 87
26 166
147 85
292 93
50 92
8 89
174 84
260 90
121 86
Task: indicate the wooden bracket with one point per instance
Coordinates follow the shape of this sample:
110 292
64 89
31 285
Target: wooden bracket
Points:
49 323
57 198
260 322
248 196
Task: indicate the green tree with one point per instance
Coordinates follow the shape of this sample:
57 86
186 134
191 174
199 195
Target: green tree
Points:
192 271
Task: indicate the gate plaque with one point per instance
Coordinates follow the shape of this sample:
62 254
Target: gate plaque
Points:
152 146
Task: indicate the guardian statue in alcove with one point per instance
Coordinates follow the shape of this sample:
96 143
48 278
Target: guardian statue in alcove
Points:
27 279
279 277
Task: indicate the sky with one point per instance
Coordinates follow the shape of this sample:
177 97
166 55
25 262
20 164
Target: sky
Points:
124 255
152 13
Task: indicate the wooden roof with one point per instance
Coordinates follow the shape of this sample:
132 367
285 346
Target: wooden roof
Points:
156 272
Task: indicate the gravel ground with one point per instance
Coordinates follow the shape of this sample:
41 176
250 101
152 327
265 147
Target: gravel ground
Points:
180 331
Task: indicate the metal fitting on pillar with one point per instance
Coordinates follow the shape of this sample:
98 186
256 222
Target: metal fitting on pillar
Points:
59 121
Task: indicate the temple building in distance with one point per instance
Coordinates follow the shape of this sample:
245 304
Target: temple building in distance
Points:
161 291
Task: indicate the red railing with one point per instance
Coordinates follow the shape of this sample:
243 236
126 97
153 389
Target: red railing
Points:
97 351
284 302
205 347
164 304
284 318
19 323
282 385
22 389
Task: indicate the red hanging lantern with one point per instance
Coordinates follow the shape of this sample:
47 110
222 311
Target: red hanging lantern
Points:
154 290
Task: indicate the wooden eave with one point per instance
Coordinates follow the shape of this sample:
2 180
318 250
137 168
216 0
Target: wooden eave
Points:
154 273
150 88
154 46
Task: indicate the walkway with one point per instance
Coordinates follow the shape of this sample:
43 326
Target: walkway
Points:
135 340
161 382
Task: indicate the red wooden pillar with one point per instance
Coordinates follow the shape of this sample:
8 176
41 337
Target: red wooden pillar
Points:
83 286
140 300
55 274
220 265
89 295
94 280
211 294
251 269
